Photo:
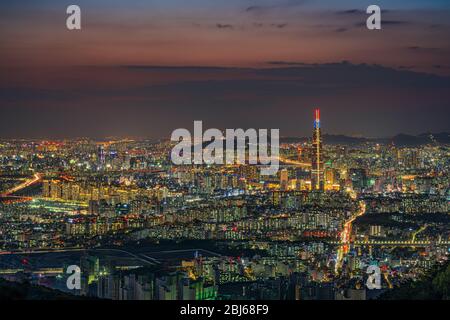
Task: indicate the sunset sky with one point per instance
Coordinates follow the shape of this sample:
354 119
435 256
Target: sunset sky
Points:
148 67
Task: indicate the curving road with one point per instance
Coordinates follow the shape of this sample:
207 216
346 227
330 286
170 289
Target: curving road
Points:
345 236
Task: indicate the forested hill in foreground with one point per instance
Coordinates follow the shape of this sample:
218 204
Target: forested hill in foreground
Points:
435 285
26 291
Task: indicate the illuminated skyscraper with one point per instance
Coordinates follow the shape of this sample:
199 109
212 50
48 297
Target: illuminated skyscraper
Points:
317 182
101 156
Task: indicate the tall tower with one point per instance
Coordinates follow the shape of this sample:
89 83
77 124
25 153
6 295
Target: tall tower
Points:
101 156
317 182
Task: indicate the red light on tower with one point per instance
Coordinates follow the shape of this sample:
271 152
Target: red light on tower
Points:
317 114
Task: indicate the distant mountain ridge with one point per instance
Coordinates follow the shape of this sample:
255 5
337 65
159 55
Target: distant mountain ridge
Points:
403 140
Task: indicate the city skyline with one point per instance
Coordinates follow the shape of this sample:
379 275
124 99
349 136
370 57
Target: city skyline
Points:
136 226
241 151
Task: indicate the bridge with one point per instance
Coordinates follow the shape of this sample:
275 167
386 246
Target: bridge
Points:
406 243
294 162
43 271
140 257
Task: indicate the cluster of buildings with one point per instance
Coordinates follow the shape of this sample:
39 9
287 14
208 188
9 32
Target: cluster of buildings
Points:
121 192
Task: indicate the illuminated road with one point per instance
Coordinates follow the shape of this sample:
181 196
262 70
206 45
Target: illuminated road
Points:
345 236
388 281
46 271
140 257
399 243
22 252
36 178
294 162
414 235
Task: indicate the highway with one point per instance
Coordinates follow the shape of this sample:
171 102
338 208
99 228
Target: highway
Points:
345 236
294 162
398 243
36 178
140 257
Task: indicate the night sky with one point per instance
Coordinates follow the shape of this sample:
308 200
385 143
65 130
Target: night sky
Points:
145 68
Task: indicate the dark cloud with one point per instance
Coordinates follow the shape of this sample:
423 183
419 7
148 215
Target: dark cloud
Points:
357 12
439 27
279 25
394 22
271 25
224 26
252 8
407 67
385 23
420 48
261 9
340 30
439 66
130 100
351 11
286 63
